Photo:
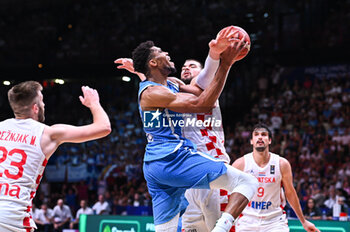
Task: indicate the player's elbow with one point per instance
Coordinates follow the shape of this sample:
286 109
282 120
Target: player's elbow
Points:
203 107
103 130
106 130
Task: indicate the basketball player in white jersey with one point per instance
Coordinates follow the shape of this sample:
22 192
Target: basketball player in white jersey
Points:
26 144
205 205
265 212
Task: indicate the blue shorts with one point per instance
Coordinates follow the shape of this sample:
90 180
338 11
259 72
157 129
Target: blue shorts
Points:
169 177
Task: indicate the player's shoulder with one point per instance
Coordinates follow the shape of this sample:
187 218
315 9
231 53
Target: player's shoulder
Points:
157 91
284 163
275 157
239 163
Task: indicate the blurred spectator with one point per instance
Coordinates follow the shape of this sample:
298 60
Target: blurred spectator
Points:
71 198
83 210
340 209
61 216
311 211
44 219
35 212
331 200
101 207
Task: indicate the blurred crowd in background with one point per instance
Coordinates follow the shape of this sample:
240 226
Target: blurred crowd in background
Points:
309 118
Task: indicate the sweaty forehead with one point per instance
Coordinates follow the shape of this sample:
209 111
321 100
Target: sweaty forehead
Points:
40 95
191 62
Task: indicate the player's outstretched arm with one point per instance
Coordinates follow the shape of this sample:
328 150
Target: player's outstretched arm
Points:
216 47
292 197
128 64
57 134
160 97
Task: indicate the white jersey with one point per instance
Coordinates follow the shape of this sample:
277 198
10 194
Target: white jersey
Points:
22 164
209 135
205 205
269 199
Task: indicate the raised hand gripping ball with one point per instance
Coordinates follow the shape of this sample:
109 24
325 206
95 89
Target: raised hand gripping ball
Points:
240 35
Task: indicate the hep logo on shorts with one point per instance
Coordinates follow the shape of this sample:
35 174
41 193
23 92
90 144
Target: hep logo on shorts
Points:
151 119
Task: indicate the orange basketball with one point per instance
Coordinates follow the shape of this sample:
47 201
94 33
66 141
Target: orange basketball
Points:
240 35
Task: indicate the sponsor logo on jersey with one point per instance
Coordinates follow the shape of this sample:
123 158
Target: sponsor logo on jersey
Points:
9 190
264 205
272 169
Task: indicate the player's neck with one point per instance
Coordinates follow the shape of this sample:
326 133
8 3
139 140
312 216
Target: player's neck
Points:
23 117
261 158
158 77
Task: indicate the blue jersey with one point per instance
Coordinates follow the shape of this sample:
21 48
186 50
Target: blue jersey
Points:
162 127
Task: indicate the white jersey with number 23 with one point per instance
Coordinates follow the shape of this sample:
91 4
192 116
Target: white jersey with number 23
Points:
22 164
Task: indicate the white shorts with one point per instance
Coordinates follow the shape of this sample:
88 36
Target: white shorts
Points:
204 209
250 224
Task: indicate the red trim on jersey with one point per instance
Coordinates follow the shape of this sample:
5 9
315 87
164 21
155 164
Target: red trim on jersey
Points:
223 206
204 132
218 151
28 208
210 146
38 179
213 138
32 193
28 229
223 192
26 222
44 163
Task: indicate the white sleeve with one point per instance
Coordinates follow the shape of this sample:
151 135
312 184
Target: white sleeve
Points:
207 74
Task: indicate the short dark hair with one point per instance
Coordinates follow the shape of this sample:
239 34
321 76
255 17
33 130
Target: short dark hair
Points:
141 56
200 63
22 96
259 126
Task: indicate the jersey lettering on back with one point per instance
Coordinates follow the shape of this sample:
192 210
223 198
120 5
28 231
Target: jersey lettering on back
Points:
22 164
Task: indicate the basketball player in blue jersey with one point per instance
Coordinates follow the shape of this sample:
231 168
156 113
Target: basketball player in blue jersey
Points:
205 205
171 162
